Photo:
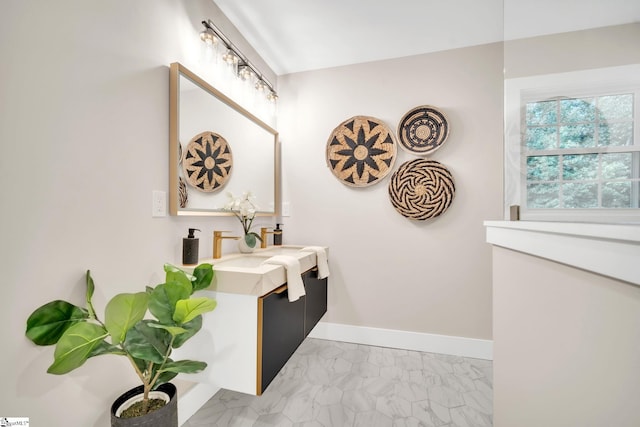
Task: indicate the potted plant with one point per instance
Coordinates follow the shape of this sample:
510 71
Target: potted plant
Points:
127 330
245 210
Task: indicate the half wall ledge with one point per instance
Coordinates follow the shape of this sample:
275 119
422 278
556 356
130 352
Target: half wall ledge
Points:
607 249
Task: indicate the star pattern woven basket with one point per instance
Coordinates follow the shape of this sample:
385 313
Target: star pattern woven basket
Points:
361 151
207 162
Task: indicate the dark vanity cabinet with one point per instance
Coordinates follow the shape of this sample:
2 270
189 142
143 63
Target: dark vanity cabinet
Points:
282 332
316 299
283 325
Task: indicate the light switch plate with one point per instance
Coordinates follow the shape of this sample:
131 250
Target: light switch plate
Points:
158 204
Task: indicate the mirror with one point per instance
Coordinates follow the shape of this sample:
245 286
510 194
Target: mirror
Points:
217 146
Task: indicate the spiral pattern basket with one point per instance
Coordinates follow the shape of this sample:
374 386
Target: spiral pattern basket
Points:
207 162
183 193
421 189
423 130
361 151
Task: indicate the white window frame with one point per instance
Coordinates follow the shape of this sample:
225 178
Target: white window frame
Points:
578 84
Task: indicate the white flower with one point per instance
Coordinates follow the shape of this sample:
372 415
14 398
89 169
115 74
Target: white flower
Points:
243 208
230 205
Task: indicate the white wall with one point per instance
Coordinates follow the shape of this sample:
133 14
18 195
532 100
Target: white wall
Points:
576 50
566 345
388 271
84 132
84 111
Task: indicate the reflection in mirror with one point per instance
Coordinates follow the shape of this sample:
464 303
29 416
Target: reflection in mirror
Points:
216 147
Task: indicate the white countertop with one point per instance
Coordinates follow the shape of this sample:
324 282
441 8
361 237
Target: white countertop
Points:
239 273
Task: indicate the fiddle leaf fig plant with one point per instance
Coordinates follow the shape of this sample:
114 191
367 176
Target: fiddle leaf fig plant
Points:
127 330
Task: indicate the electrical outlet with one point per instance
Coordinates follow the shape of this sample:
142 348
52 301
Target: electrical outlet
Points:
158 204
286 209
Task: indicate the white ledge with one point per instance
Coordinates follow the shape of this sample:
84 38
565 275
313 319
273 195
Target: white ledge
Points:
607 249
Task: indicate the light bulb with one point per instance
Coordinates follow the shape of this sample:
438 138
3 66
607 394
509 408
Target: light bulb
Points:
208 37
246 73
272 96
230 57
260 86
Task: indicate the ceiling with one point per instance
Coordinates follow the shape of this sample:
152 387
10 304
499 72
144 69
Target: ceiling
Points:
300 35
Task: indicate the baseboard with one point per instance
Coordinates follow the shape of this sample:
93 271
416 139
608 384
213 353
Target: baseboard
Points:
417 341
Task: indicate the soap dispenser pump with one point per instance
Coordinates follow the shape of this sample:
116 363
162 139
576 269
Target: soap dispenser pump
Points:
277 236
190 248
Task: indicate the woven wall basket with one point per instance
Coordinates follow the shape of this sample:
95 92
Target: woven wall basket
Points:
207 162
361 151
183 193
421 189
423 130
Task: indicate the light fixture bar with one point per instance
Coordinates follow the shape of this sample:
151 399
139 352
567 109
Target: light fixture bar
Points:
243 61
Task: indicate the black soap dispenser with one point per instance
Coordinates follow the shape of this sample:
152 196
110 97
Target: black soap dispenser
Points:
190 248
277 236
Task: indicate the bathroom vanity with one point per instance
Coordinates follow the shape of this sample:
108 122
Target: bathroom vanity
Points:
254 329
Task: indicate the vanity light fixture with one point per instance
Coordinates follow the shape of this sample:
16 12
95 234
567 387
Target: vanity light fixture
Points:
230 57
261 86
246 71
209 37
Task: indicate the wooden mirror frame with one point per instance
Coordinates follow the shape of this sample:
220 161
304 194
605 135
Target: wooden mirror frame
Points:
175 72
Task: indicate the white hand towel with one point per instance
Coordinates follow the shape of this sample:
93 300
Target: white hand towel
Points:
321 260
294 275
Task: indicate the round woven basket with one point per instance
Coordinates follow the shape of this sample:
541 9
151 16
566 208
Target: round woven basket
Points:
183 193
361 151
207 162
421 189
423 130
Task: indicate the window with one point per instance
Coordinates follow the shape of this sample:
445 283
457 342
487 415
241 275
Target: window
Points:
574 149
580 153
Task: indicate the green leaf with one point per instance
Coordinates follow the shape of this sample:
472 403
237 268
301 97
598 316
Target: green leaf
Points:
48 323
170 268
174 274
76 346
191 329
188 309
184 366
164 297
124 311
250 239
164 377
173 330
203 275
106 348
147 343
140 363
90 289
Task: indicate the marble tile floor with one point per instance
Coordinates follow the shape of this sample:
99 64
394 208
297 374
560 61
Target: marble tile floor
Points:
335 384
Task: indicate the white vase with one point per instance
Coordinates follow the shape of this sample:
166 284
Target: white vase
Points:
243 247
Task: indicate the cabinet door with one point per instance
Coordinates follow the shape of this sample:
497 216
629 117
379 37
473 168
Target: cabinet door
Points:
316 299
282 332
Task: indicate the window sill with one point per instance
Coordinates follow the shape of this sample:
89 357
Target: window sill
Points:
607 249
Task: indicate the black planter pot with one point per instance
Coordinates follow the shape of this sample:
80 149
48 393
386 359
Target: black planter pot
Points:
167 416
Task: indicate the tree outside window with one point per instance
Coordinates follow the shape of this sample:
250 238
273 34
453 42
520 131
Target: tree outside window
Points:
580 153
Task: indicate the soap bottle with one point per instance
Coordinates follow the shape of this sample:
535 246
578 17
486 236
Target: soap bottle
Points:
190 248
277 236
